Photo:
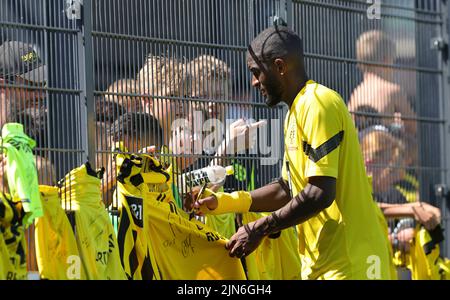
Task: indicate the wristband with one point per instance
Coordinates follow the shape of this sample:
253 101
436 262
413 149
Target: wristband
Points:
237 202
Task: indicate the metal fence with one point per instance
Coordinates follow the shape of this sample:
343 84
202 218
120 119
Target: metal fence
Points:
331 30
107 57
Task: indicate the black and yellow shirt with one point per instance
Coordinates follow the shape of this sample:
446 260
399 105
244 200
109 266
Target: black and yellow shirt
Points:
158 240
425 261
344 241
13 264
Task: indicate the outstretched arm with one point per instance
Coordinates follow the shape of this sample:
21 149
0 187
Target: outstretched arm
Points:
317 196
267 198
424 213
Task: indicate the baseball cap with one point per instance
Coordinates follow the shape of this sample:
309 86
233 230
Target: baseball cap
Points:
21 59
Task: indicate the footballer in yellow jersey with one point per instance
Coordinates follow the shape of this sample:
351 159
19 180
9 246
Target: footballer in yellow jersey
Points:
320 140
324 188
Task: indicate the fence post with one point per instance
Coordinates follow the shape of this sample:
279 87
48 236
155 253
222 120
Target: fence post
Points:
446 131
89 124
289 13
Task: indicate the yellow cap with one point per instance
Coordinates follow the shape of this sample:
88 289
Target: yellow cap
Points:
229 170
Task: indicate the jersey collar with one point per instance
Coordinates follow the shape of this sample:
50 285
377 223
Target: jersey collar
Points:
301 93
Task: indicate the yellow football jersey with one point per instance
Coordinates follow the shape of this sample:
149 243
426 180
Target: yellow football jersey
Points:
136 253
13 247
16 247
187 249
57 253
346 240
177 248
4 259
96 240
276 258
426 262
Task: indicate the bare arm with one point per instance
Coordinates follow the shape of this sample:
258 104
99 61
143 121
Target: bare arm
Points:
108 183
424 213
318 195
270 197
396 210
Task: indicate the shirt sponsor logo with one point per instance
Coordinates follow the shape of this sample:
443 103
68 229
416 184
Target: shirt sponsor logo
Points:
29 57
291 141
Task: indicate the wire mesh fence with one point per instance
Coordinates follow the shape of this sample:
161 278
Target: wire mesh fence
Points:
379 57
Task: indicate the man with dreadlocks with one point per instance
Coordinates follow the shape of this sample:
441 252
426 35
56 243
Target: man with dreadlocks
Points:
324 189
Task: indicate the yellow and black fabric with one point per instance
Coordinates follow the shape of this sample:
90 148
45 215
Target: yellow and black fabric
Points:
57 252
135 252
15 244
225 224
177 248
187 250
408 187
277 258
4 259
145 170
444 268
8 211
425 260
97 244
13 264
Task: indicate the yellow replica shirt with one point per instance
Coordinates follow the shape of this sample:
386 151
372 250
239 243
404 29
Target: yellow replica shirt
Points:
136 253
5 263
96 240
346 240
186 249
157 240
57 252
13 247
426 262
275 258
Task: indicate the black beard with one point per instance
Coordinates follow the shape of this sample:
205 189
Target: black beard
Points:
274 97
272 101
